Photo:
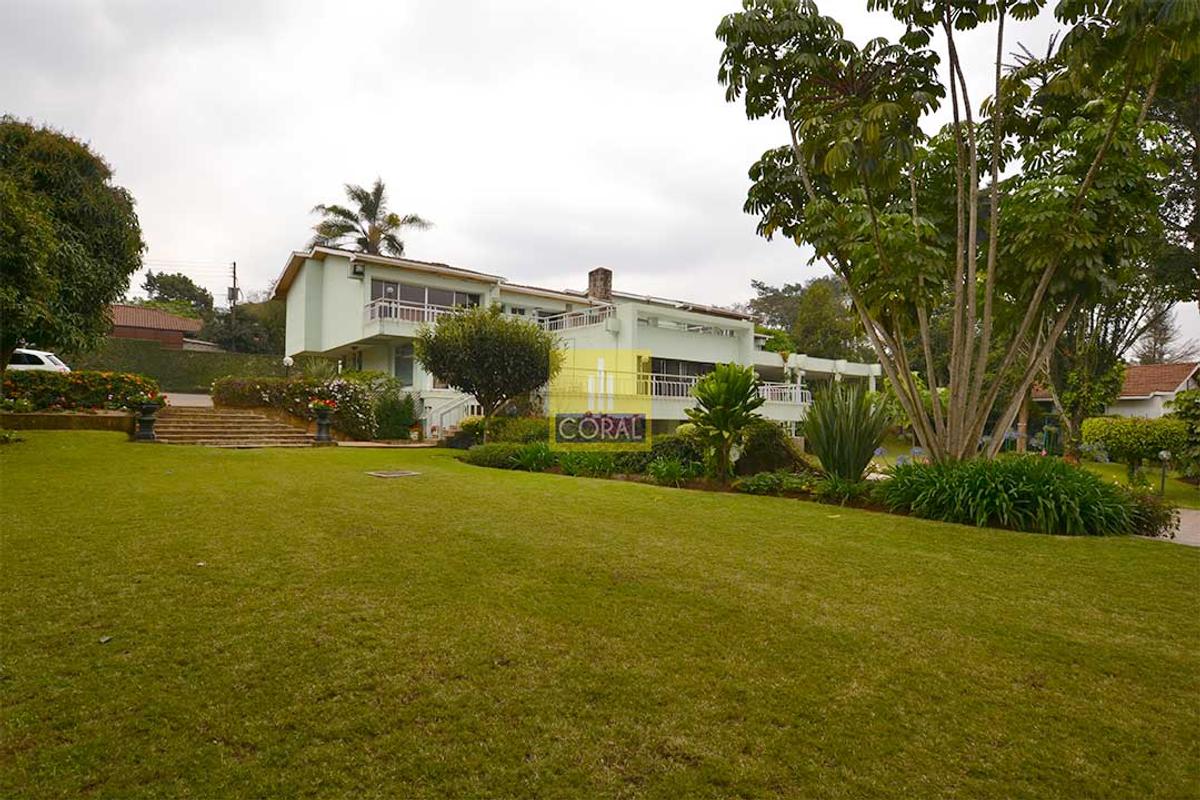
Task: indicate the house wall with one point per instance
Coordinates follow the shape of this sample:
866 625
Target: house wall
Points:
170 339
1151 408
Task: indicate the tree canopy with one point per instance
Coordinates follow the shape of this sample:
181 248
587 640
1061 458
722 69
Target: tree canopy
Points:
69 240
369 227
175 287
1004 221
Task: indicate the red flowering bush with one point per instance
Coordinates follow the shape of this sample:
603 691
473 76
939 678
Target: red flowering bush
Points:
37 390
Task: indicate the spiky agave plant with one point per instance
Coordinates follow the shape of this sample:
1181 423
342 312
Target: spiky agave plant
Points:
843 428
726 399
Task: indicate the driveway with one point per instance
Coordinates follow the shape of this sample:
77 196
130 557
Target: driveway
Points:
1189 527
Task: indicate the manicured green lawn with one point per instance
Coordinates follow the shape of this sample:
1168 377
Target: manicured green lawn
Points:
285 626
1181 494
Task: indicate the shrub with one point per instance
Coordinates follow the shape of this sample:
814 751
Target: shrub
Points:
9 437
766 447
355 398
780 482
683 447
176 370
1186 408
672 471
632 462
1133 440
519 429
498 455
585 464
35 390
726 399
395 414
834 489
844 427
1152 515
535 457
1025 493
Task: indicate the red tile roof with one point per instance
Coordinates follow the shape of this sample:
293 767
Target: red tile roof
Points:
1143 380
142 317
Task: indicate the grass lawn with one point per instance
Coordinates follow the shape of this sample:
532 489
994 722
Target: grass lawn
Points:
1181 494
481 633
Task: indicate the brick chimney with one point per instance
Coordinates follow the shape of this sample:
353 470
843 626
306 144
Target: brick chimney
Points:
600 284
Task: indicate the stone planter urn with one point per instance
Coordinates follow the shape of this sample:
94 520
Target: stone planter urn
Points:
323 436
145 423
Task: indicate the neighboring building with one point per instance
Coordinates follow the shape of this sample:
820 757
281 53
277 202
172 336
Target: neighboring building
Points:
140 322
365 310
1147 390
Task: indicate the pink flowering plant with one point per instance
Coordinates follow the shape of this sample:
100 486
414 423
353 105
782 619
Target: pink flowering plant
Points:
36 390
354 398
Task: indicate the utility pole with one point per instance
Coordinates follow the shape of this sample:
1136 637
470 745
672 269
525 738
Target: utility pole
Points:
233 298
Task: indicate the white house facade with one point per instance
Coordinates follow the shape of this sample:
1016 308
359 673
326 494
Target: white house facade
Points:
366 310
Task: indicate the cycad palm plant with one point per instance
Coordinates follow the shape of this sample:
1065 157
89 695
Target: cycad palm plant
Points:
726 399
372 228
843 428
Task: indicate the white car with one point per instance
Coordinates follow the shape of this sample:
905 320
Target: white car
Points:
36 359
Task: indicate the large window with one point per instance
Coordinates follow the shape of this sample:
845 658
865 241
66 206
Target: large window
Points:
421 295
404 364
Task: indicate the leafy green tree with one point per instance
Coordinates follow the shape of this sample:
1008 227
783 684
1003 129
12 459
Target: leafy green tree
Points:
493 357
921 225
726 399
775 306
825 325
69 240
370 227
175 287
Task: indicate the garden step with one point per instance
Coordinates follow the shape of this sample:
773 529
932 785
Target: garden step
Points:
231 428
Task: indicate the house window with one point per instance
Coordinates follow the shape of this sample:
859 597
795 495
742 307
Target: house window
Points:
404 364
427 295
517 310
412 294
384 290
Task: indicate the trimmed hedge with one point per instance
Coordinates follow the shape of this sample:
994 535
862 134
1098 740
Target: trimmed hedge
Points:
354 416
37 390
1186 408
176 370
499 455
1132 440
1024 493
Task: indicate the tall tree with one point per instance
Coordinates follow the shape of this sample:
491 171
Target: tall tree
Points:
175 287
1162 342
1178 108
776 306
919 225
69 240
370 227
825 324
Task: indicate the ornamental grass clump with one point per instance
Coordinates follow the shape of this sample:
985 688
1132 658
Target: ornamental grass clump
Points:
844 427
1023 493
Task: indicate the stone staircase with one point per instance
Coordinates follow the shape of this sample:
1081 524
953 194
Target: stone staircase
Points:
226 427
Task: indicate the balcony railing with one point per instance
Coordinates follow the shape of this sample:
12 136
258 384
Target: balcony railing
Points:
675 387
577 319
388 310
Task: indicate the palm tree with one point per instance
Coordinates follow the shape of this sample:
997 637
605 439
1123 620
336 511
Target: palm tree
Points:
372 228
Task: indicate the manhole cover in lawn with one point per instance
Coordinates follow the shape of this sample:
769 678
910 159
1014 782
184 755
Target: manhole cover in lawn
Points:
393 473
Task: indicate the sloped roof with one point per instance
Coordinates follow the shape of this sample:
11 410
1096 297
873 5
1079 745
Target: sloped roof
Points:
1144 380
153 318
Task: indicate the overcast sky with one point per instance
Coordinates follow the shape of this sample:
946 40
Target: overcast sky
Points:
541 137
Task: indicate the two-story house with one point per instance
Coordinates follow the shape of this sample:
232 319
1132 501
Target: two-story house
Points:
365 310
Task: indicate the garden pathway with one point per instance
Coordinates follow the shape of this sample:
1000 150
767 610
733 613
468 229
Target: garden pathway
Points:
184 400
1189 527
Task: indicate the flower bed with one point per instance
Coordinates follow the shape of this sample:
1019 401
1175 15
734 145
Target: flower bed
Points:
37 390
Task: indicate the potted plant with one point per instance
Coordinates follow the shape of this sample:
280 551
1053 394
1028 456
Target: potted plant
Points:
322 408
